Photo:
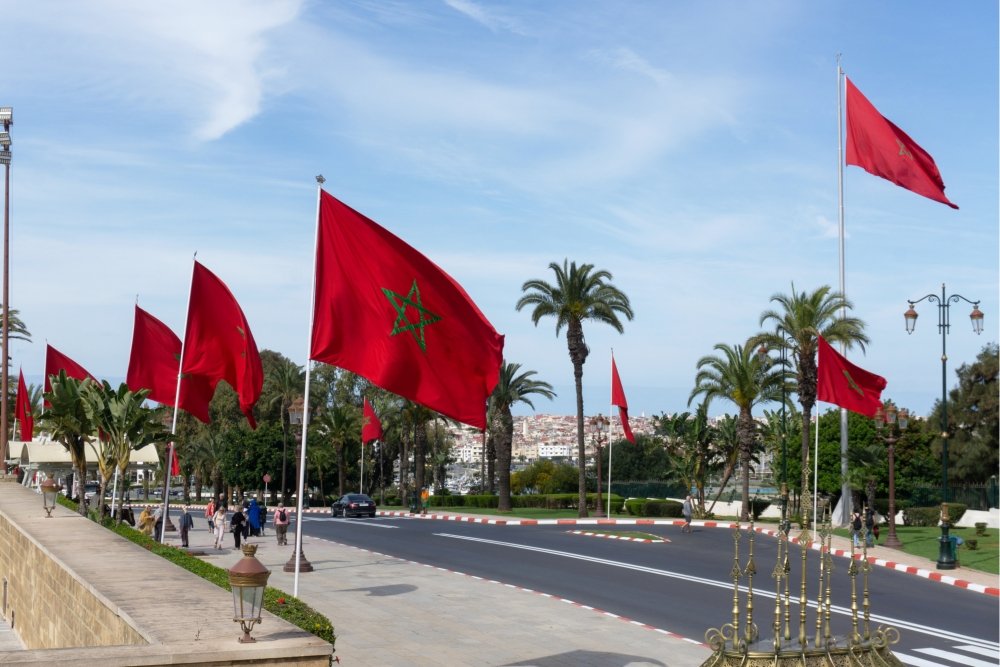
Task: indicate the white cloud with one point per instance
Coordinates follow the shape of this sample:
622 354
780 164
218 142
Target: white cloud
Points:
490 18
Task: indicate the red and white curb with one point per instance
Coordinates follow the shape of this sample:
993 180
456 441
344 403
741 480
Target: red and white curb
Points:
640 624
881 562
623 538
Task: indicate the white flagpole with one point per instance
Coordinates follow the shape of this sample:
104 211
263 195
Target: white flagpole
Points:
611 442
845 487
362 489
305 402
173 423
816 472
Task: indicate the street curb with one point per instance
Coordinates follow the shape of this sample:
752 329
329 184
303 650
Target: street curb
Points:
621 538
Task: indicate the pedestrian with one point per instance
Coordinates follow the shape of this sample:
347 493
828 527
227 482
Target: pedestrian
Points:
187 523
262 508
210 515
146 522
253 518
424 497
686 510
856 528
281 524
238 525
158 518
219 521
869 527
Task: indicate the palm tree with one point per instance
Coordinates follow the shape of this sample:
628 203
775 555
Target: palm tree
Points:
742 376
578 294
339 425
68 422
726 452
513 387
282 385
803 317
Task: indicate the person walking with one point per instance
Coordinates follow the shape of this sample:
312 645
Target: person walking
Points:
856 528
687 510
253 518
187 523
262 508
869 527
210 515
219 521
281 525
237 525
146 522
158 518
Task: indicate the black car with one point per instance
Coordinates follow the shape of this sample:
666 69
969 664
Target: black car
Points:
353 504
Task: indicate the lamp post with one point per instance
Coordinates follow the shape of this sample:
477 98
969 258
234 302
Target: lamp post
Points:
7 119
946 560
886 418
786 525
295 414
248 579
598 427
49 491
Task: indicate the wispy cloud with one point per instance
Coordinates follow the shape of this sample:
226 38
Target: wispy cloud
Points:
491 18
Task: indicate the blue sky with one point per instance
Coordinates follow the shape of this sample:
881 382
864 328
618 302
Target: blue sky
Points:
688 148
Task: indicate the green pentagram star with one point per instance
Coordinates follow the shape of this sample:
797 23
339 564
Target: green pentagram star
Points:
400 303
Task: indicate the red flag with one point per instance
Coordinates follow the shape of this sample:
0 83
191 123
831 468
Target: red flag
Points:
218 344
840 382
618 398
387 313
153 365
56 361
175 464
876 145
372 430
22 409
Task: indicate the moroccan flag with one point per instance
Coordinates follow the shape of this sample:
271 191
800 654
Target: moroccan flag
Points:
22 409
876 145
175 464
389 314
840 382
154 363
372 430
218 344
56 361
618 398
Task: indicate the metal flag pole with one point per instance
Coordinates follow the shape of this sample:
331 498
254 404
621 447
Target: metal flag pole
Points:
297 556
611 441
815 471
168 468
362 487
845 486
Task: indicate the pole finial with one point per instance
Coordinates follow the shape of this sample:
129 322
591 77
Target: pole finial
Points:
320 179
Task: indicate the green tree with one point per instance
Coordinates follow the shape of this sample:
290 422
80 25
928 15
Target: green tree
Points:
727 452
746 379
513 387
803 316
68 422
578 294
248 454
284 381
339 425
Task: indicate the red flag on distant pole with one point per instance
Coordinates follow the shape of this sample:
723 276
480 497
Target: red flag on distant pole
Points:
218 344
618 398
22 409
386 312
175 464
56 361
153 365
876 145
372 429
840 382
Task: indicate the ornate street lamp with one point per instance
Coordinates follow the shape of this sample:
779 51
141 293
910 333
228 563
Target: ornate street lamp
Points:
296 412
887 416
946 560
248 579
49 492
598 427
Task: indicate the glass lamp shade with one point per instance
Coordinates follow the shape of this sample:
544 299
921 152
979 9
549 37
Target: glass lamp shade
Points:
49 491
904 419
911 319
977 320
248 579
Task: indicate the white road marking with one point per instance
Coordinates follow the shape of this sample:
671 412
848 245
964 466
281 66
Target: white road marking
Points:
979 650
948 655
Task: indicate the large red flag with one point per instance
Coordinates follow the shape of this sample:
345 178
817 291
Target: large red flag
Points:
840 382
618 398
372 430
153 365
218 344
56 361
387 313
175 464
876 145
22 409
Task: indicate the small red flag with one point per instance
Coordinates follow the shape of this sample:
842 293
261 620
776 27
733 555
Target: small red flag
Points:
618 398
876 145
154 363
372 429
56 361
175 464
218 344
22 409
840 382
389 314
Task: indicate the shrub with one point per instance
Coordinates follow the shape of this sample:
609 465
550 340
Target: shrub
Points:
980 528
930 516
972 544
646 507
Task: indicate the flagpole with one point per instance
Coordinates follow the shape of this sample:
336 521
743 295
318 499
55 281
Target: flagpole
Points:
815 472
362 488
300 560
845 487
611 441
169 467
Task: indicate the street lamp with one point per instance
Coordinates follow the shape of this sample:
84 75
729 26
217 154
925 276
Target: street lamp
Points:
296 412
248 579
786 525
7 119
598 427
887 415
49 491
946 560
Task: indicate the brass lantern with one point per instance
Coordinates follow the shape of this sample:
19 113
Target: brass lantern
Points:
248 579
49 491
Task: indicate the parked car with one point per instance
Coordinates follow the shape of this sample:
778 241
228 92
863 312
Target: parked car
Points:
353 504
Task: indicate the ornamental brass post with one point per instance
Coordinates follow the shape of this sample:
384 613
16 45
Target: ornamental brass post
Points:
866 568
829 577
804 539
749 571
852 571
736 579
819 595
778 573
787 567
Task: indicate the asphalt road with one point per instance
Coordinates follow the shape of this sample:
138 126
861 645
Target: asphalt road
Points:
685 585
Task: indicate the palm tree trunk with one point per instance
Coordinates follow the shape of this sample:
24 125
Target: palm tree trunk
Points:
578 355
491 463
503 459
745 435
419 451
341 468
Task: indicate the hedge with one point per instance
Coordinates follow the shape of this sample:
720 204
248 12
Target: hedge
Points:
552 501
930 516
651 507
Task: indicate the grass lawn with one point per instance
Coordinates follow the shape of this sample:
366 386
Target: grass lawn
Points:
924 542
